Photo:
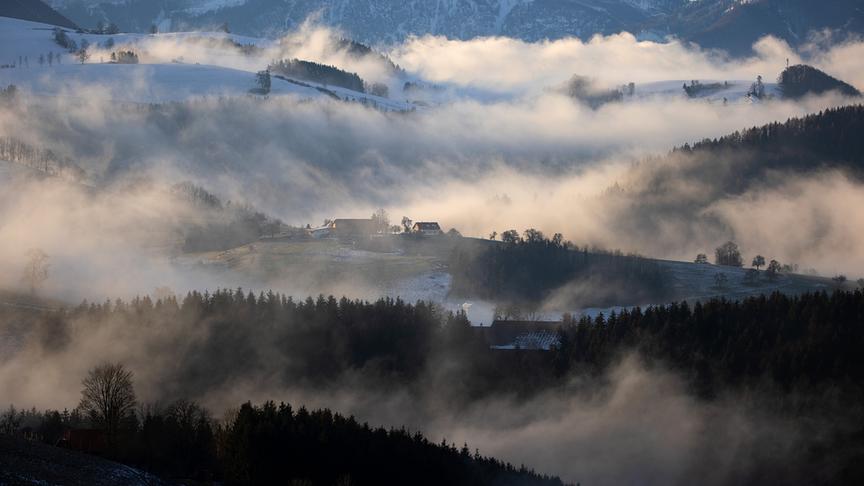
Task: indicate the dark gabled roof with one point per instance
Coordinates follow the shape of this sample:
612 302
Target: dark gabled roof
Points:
427 225
502 333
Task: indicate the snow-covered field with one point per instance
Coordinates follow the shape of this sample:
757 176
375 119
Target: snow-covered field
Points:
173 67
180 66
732 91
143 82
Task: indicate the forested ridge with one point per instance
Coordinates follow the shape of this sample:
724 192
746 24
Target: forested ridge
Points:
830 138
801 80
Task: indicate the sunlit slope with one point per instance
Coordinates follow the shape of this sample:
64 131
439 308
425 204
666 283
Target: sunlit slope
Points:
328 266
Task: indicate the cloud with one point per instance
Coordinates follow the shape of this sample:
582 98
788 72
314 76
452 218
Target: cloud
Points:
806 219
506 65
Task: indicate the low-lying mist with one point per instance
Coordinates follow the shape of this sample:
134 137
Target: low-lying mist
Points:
525 157
548 164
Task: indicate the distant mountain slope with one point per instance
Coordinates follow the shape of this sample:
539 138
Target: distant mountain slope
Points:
35 11
733 25
379 20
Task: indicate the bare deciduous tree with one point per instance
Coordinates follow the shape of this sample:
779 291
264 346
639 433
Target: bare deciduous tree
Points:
381 221
108 396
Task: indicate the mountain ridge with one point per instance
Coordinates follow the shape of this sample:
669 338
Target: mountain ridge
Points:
732 25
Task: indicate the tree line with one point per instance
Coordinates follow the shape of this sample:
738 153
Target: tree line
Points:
41 159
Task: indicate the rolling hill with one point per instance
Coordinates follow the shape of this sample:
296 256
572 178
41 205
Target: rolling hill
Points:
225 71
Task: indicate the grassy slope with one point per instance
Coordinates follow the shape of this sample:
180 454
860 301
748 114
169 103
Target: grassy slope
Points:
27 462
328 261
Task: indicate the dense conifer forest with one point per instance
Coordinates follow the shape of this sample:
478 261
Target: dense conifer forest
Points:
317 73
808 344
791 356
802 342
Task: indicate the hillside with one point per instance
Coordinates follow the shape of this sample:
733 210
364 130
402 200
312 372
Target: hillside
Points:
735 25
450 273
801 80
34 11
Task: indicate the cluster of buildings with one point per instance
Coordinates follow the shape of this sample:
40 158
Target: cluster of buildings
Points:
346 228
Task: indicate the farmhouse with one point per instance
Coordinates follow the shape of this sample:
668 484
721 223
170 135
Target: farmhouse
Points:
427 228
524 335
